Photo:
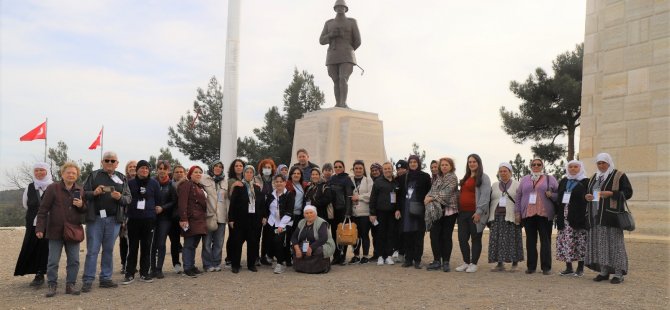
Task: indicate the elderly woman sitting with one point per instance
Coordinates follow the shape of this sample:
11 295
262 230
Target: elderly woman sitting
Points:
312 243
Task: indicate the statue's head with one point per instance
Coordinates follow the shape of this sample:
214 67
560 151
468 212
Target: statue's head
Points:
341 3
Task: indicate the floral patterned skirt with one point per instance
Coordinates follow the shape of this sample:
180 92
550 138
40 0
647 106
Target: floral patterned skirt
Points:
571 244
505 242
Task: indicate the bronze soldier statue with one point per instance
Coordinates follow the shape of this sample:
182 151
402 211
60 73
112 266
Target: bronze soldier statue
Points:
343 38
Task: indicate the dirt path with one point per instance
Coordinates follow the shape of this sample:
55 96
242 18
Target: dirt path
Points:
361 286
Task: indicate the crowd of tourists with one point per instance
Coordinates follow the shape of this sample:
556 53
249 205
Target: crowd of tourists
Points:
289 217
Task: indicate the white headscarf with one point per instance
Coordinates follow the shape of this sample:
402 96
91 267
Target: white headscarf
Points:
580 175
608 159
43 183
506 165
309 207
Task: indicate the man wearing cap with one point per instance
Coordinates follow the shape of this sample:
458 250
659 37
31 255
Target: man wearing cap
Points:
343 38
107 194
141 221
401 167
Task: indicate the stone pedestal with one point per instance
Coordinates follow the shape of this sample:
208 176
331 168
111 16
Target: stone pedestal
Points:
339 133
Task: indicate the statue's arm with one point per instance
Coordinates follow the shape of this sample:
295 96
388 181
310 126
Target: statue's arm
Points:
356 36
325 36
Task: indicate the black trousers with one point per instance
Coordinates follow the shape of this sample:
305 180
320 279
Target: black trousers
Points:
175 241
385 233
363 224
267 246
279 243
140 237
413 242
538 225
123 248
399 240
239 235
467 231
440 238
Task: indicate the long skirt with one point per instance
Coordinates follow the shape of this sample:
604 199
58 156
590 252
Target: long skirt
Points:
312 264
571 244
505 242
606 249
34 254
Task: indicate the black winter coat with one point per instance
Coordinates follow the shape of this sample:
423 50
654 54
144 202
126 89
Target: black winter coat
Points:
577 206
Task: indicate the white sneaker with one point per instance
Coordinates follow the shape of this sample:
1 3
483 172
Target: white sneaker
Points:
471 268
217 268
395 255
463 267
279 268
389 261
380 261
177 268
211 269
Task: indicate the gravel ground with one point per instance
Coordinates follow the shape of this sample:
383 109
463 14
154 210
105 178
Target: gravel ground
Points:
362 286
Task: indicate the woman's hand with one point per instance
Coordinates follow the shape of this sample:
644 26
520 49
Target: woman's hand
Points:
264 221
517 219
373 219
237 183
297 251
606 194
77 202
309 251
183 224
476 217
39 235
159 210
588 197
397 215
232 225
427 200
355 198
548 194
280 230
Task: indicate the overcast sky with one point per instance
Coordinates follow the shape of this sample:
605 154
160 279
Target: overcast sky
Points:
436 72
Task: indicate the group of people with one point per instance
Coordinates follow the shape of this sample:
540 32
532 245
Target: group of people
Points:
289 216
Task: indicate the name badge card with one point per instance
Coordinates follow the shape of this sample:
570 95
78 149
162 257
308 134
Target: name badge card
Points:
566 197
503 201
220 196
140 204
392 197
103 214
532 199
596 196
252 207
35 221
305 245
410 191
116 179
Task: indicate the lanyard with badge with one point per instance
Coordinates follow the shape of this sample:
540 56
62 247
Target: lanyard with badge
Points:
503 198
533 196
568 191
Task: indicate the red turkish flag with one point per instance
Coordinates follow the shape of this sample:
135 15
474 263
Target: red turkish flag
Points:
40 132
96 143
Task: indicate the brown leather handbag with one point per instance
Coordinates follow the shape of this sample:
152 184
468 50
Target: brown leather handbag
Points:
347 233
73 233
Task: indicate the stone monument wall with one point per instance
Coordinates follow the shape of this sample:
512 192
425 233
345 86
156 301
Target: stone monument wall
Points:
625 99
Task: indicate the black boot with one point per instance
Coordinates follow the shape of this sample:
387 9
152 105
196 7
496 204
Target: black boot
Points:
568 270
37 281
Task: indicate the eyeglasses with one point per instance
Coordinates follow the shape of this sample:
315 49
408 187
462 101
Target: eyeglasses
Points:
536 165
112 161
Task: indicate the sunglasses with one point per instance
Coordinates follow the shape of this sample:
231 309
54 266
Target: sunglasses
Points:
536 165
112 161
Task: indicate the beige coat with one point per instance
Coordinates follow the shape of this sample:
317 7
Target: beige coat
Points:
217 198
496 193
363 190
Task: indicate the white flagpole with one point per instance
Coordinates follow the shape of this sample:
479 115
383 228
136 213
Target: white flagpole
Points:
228 150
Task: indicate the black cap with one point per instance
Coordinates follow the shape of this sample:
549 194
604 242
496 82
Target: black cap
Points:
143 163
401 164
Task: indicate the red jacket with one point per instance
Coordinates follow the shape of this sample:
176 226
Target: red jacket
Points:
57 204
192 208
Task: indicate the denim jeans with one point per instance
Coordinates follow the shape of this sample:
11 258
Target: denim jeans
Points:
72 253
100 233
212 248
188 251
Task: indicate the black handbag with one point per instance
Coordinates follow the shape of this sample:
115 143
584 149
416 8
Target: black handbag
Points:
625 217
416 208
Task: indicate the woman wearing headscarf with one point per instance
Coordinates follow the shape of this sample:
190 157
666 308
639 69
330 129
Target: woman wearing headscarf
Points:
234 180
217 210
279 207
606 251
473 212
245 216
312 243
34 251
283 169
164 217
444 191
414 186
341 190
505 242
266 169
375 171
571 218
131 172
192 217
361 210
535 206
62 208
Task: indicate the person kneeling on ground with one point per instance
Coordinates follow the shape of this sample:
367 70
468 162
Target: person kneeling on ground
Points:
312 243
